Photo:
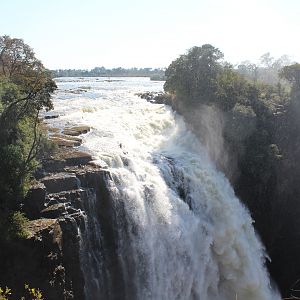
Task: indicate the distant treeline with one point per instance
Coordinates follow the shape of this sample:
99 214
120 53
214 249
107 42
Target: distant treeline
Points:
266 70
155 74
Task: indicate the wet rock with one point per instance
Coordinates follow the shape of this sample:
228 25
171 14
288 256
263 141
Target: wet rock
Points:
36 260
52 201
71 211
78 158
37 229
35 200
71 258
74 197
51 116
154 97
53 129
76 130
50 256
65 137
77 91
54 211
54 165
65 142
64 158
60 182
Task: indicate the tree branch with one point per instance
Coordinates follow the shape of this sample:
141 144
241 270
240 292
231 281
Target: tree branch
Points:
36 140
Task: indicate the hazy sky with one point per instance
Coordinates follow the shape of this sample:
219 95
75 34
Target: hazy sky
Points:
150 33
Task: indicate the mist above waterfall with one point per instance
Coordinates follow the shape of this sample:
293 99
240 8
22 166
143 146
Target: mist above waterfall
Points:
208 123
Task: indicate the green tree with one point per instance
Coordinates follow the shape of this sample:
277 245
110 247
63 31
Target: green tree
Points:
25 89
193 76
232 88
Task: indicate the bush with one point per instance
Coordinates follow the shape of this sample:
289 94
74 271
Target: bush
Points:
30 293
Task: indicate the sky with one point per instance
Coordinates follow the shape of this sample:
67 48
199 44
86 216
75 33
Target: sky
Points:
83 34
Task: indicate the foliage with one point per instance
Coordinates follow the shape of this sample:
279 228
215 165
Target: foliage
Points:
199 77
31 293
35 294
25 89
292 74
12 228
231 89
193 76
5 293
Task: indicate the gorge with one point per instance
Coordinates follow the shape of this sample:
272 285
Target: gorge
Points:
155 219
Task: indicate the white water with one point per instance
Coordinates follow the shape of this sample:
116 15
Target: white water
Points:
187 236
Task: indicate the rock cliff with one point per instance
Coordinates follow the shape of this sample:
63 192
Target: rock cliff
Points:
50 257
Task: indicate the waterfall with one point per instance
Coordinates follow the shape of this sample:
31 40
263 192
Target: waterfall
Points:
168 225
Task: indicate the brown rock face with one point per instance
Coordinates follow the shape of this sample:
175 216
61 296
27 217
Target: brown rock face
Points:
66 142
54 211
38 261
60 182
64 158
76 130
34 202
50 257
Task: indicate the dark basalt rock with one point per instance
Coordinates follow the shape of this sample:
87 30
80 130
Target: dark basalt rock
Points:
54 211
35 200
50 116
71 256
57 204
73 197
60 182
52 166
78 158
154 97
51 252
64 158
37 260
49 258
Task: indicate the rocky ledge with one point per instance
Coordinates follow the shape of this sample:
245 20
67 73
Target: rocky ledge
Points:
49 258
67 137
154 97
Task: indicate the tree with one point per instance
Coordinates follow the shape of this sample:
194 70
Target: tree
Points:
249 70
193 76
25 89
267 60
292 74
232 89
21 70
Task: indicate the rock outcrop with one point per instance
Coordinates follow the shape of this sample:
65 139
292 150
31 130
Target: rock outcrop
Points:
50 257
154 97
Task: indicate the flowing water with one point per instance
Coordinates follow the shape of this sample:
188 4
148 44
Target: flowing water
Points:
179 232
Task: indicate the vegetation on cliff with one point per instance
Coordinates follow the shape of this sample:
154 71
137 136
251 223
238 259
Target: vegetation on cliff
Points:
31 293
25 89
252 130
